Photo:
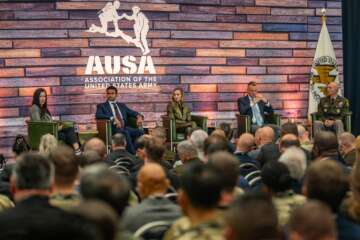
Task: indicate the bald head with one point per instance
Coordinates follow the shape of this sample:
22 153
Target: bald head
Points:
267 135
152 180
97 145
332 89
288 140
245 142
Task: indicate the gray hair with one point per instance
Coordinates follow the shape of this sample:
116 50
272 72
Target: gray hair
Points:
118 139
198 138
295 160
187 148
33 171
48 142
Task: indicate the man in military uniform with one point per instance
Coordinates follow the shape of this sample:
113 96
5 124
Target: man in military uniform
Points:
331 111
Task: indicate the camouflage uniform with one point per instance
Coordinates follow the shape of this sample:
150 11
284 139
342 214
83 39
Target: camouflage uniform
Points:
183 230
333 109
285 203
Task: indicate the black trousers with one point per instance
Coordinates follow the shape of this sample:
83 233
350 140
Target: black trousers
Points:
68 135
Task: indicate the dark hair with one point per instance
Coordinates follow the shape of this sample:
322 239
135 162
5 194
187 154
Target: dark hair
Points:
228 166
252 83
215 143
141 141
276 176
99 182
20 145
325 180
33 171
202 185
253 216
325 141
112 88
36 101
226 127
154 150
289 127
119 139
286 143
66 165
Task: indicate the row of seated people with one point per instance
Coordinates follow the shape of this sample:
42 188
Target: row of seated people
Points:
332 110
258 187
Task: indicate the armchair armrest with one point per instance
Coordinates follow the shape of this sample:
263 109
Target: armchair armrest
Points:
170 125
104 128
36 129
244 123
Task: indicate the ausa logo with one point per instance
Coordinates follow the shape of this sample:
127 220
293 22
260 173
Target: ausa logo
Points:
119 64
323 71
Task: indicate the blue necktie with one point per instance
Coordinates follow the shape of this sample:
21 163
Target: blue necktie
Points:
256 113
118 115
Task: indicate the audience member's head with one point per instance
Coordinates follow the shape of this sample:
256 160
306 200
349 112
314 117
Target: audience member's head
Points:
219 133
66 167
303 134
90 157
33 174
215 143
154 150
140 146
324 141
295 160
265 135
325 181
251 217
353 202
118 141
20 145
312 221
245 143
276 177
159 133
226 127
288 140
200 188
97 145
152 181
47 143
187 151
289 128
346 143
198 138
100 183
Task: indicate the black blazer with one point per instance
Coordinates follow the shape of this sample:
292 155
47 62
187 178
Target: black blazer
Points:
245 108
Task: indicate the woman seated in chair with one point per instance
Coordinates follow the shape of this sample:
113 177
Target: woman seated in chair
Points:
179 111
40 112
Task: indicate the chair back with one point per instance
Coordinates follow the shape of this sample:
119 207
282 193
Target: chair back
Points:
36 129
251 173
153 230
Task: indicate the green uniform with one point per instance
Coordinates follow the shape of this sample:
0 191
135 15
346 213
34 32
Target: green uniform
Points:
181 113
182 229
334 109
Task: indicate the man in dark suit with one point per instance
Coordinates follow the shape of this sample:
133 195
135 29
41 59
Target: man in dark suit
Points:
118 113
33 217
254 105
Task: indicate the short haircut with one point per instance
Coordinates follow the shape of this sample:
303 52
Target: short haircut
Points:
112 88
99 182
253 216
215 143
159 132
325 181
90 157
313 221
187 148
141 141
276 176
289 140
33 171
228 166
96 144
198 138
295 159
119 139
201 184
252 83
66 165
154 150
289 127
324 141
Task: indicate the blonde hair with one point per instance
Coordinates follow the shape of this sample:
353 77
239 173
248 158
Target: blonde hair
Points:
47 143
181 91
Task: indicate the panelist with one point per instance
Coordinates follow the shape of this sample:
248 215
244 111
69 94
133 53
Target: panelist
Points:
254 105
40 112
331 110
179 111
118 113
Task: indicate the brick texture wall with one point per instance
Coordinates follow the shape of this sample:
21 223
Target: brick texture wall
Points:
211 48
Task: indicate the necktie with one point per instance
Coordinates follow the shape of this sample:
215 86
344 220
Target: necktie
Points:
256 113
118 114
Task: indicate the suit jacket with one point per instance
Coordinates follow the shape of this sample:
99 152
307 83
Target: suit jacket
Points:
131 162
245 108
103 111
180 115
34 218
149 210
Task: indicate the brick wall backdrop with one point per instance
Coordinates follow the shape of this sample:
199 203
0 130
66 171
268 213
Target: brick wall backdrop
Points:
212 48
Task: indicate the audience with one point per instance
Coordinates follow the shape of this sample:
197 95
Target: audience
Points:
277 183
326 146
97 145
47 143
304 138
288 140
152 187
198 198
267 149
160 133
251 217
347 148
312 221
198 138
66 166
187 153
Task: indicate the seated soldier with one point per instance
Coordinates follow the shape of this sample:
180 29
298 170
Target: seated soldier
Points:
331 111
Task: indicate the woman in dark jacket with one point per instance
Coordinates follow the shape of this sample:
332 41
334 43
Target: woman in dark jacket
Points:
40 112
